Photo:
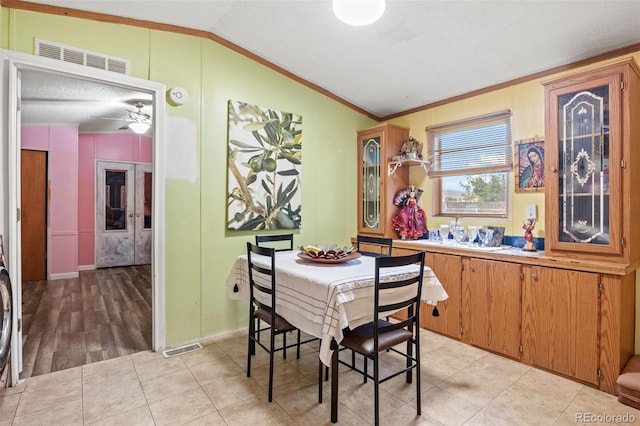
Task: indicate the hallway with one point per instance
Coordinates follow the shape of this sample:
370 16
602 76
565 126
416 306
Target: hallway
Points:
103 314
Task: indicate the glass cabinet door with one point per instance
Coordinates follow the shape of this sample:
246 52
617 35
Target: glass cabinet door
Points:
370 183
583 175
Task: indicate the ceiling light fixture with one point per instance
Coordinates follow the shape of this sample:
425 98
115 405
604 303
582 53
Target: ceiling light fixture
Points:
139 127
358 12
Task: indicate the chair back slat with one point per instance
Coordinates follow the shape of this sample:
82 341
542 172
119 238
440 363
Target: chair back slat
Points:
262 239
384 243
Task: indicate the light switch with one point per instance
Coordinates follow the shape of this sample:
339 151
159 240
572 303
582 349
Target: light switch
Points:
532 212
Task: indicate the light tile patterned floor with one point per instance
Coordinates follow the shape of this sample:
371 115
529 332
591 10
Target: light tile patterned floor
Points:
461 385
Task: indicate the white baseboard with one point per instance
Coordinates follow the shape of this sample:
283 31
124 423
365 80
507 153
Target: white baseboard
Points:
64 276
86 267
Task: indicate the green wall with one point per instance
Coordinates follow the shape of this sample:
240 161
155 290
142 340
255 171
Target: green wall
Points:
199 250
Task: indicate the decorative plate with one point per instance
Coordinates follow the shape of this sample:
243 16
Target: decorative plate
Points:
350 256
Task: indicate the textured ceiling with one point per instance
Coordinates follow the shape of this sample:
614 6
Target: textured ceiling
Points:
420 52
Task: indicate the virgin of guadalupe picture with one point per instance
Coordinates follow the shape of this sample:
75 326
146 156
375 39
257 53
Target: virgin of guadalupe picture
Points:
530 166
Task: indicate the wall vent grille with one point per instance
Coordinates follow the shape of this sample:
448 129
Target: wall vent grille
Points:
181 350
87 58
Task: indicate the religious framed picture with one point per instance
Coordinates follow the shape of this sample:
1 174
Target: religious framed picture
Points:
529 165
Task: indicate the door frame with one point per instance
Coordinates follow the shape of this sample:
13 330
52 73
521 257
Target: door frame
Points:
12 63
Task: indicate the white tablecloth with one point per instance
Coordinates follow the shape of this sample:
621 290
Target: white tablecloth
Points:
323 299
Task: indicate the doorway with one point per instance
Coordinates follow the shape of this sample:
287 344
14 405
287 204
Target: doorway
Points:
123 214
13 64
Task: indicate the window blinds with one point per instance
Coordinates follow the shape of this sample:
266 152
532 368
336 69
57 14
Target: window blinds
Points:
471 146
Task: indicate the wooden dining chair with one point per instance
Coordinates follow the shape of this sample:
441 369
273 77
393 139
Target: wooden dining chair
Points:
384 244
267 240
380 335
262 288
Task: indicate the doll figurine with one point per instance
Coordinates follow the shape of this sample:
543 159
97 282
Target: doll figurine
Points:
411 221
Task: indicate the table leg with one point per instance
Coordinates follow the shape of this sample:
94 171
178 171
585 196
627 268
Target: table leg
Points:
334 382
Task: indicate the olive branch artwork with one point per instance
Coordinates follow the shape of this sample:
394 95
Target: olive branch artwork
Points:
265 160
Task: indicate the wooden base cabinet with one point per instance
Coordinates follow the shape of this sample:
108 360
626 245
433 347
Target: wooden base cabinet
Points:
448 269
560 321
576 323
491 315
617 327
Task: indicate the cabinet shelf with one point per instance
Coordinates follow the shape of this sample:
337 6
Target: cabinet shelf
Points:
393 165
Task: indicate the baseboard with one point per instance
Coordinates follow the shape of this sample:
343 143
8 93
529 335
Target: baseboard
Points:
64 276
86 267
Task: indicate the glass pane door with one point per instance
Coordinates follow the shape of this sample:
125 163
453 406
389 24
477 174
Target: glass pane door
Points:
115 200
371 183
583 135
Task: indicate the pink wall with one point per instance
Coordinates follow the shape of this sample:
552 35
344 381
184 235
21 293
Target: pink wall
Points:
62 144
72 159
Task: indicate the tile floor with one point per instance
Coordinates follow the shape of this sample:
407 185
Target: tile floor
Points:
461 385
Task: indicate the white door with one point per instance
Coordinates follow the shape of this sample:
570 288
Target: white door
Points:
143 218
115 224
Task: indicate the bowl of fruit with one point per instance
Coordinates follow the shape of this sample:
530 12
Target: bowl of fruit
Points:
328 253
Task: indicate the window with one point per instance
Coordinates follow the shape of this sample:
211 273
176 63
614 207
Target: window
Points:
470 163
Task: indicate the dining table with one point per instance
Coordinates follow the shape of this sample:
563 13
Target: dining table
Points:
322 299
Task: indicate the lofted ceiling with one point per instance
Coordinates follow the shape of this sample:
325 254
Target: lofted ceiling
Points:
420 52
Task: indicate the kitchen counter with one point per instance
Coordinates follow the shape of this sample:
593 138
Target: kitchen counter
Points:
512 254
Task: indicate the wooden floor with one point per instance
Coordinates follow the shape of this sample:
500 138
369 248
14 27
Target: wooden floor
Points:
103 314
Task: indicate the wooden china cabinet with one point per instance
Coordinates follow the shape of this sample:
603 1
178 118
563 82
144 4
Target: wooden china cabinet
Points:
376 183
592 150
592 147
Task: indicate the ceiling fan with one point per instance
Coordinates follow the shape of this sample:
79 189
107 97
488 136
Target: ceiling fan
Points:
138 121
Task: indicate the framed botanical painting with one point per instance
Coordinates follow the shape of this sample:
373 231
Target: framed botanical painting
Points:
265 163
529 163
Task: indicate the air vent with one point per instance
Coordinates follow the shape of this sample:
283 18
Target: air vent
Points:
181 350
87 58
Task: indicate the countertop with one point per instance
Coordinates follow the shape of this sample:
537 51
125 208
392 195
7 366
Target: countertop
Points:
515 255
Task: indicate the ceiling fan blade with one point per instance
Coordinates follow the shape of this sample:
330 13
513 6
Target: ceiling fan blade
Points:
113 118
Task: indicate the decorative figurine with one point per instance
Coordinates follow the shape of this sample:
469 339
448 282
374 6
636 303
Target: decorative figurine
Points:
528 235
411 220
411 149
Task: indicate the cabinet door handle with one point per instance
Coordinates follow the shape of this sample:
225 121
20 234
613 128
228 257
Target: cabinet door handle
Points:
554 169
534 276
473 269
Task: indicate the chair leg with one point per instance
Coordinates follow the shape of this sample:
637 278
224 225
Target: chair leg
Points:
298 346
376 389
251 346
409 362
284 345
319 382
365 368
418 400
273 341
249 357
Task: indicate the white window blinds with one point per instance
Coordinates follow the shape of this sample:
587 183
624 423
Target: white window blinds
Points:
471 146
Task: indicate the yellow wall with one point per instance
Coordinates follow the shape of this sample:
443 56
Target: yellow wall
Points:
200 252
526 102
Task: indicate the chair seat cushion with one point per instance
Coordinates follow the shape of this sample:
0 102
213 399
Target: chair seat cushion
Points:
361 338
629 389
629 383
281 323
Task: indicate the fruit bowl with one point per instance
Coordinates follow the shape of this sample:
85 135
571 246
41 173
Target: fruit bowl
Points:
329 252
